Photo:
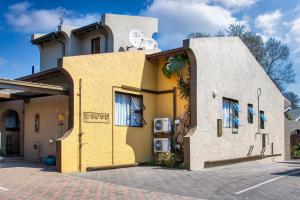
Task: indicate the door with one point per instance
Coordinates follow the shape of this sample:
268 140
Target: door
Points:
9 144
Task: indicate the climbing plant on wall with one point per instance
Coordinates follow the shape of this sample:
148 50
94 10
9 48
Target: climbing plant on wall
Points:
179 66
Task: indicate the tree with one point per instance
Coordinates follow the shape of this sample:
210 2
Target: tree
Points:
277 65
295 100
272 55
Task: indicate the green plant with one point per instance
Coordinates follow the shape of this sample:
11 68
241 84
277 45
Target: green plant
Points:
296 151
151 163
166 159
178 65
175 65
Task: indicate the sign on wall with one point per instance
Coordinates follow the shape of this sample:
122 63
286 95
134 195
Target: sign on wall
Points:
93 117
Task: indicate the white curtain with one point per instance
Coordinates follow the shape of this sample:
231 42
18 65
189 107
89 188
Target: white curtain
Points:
227 113
122 115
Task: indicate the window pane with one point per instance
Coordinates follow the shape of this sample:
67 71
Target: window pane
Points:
128 110
230 110
225 113
136 111
122 115
262 121
250 113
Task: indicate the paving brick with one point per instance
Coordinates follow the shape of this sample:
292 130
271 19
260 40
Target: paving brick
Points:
29 181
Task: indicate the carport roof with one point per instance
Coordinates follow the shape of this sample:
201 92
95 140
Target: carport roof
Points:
15 89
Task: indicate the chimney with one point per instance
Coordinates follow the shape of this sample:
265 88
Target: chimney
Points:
32 70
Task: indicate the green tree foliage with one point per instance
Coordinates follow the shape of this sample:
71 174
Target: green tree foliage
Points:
272 55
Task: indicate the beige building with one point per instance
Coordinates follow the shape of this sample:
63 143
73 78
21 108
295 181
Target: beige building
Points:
93 104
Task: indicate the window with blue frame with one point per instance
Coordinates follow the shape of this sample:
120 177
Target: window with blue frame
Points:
262 119
128 110
231 111
250 113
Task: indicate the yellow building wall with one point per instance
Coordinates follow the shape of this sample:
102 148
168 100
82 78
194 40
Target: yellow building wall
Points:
165 105
105 144
49 108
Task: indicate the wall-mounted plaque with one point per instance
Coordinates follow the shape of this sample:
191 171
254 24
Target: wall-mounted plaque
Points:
37 123
93 117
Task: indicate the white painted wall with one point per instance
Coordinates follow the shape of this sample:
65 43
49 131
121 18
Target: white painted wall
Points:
121 25
226 66
50 52
86 42
118 27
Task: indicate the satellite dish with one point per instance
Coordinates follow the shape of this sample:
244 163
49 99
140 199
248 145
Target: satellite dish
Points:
149 44
136 38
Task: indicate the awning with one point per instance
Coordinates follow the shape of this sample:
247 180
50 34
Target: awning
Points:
165 54
15 89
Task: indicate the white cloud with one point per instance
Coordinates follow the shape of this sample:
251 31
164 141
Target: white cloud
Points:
237 4
177 18
268 22
24 18
295 30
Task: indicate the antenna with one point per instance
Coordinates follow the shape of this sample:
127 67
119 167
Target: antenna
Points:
139 41
61 18
136 38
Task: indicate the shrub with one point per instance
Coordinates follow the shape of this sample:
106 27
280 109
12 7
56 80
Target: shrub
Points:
296 151
166 159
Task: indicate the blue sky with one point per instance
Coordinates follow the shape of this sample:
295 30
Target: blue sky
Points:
177 18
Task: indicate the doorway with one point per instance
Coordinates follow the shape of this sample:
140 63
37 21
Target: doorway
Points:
12 132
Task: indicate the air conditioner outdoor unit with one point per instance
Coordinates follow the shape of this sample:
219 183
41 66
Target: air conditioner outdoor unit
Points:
161 145
162 125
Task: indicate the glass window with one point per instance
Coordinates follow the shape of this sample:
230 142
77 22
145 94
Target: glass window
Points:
12 121
262 119
250 113
95 47
129 110
231 111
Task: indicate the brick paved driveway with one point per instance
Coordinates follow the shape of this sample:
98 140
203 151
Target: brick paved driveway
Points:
227 182
24 180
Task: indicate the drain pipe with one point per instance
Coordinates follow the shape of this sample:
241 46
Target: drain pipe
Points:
80 127
62 43
258 113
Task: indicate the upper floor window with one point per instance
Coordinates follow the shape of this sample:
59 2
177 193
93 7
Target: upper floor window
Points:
262 119
128 110
95 46
231 111
250 113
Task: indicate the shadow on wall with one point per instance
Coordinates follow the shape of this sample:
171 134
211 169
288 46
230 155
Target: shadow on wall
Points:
140 139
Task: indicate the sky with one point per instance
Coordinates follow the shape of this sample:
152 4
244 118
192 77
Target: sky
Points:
177 18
